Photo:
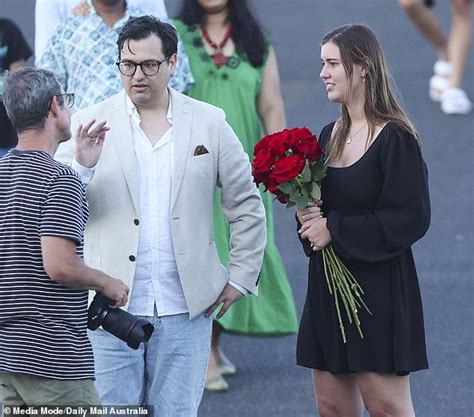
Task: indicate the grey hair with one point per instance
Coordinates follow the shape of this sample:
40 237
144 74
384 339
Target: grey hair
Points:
27 97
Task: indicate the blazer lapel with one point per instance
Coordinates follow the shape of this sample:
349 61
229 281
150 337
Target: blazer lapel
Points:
121 136
182 119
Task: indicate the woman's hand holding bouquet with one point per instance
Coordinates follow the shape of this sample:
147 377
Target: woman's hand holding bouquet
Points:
314 225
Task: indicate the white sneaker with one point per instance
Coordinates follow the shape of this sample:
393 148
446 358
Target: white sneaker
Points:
439 82
455 101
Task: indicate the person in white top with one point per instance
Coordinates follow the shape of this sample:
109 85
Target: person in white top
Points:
49 13
151 188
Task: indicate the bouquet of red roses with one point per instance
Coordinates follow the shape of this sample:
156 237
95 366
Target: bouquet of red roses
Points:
290 164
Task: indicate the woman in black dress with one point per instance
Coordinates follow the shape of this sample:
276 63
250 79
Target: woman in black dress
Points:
375 205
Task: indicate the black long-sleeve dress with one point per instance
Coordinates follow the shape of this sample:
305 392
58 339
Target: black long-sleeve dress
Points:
376 209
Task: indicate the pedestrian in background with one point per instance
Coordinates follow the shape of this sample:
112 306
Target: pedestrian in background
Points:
14 51
45 355
446 83
235 68
375 206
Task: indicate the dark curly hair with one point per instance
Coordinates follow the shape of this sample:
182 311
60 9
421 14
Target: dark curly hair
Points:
142 27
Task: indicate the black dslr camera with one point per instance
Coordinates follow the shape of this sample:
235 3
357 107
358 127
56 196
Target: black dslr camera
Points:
121 324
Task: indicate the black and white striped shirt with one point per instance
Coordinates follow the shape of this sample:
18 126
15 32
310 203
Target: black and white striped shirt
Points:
42 323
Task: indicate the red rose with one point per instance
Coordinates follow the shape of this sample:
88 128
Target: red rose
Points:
304 143
287 168
280 142
298 133
263 160
309 147
261 178
317 153
273 186
262 144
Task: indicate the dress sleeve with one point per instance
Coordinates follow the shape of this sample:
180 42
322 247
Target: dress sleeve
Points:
402 213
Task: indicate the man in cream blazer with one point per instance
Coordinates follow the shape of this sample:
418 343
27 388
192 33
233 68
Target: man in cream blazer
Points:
151 185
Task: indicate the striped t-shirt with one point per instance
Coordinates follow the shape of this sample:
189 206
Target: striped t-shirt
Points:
42 323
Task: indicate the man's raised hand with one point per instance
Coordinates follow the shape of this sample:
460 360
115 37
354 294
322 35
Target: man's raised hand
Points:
89 142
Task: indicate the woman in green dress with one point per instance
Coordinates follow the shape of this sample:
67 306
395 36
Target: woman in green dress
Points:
235 68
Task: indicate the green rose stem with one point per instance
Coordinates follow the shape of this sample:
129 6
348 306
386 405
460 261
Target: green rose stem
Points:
343 285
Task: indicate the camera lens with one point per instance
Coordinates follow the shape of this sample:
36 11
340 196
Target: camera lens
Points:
120 323
127 327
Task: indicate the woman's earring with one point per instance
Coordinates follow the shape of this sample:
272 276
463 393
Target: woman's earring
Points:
363 78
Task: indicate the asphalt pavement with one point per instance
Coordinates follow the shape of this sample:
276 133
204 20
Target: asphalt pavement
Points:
268 382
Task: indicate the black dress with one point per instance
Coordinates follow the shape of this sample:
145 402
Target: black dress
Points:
376 209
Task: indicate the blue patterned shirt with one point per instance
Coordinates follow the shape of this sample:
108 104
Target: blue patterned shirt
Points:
82 53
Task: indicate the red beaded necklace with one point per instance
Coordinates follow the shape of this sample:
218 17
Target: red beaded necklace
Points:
218 57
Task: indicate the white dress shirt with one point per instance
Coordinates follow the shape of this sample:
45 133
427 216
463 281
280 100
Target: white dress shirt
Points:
156 282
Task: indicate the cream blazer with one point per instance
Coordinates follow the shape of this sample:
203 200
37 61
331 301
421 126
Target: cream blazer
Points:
111 236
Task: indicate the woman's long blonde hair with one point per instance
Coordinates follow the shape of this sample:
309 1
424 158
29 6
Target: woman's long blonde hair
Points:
358 45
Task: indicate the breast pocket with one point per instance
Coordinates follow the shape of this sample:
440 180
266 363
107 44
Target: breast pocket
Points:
202 167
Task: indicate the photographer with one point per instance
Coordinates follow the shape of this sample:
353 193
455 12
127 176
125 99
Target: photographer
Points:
45 355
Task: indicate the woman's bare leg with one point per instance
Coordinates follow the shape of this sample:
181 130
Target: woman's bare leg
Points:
337 395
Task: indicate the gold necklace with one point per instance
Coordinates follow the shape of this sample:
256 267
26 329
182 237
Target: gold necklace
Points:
349 139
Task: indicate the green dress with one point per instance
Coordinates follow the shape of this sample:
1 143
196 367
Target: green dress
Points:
234 87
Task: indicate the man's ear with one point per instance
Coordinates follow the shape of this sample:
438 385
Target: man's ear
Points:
172 63
54 106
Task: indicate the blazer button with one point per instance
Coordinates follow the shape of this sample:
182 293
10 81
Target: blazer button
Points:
136 222
132 258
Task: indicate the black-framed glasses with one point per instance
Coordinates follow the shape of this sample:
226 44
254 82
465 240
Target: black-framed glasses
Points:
149 67
68 98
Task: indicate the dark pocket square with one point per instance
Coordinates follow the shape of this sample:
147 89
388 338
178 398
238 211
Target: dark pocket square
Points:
200 150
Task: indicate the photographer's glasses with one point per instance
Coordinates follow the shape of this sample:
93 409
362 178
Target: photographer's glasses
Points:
149 67
68 98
